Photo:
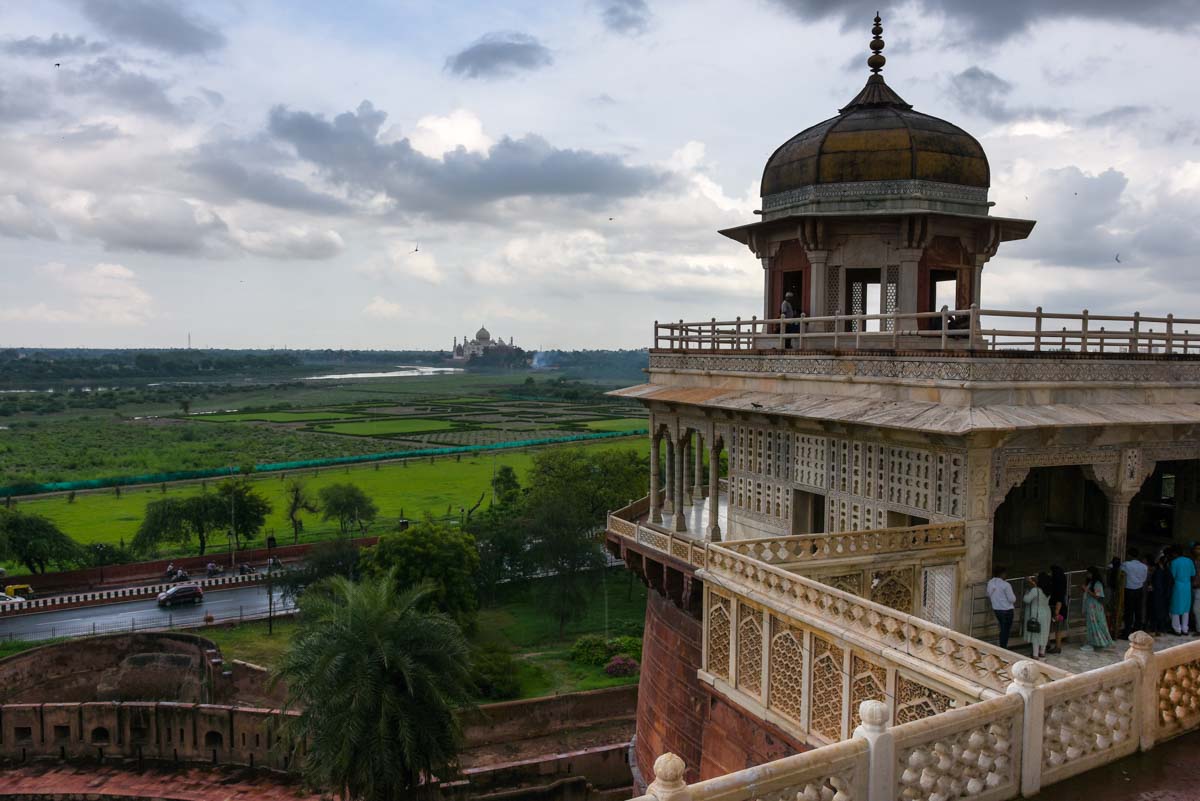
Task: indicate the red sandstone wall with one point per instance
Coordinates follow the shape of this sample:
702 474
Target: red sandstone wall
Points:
670 712
539 717
734 740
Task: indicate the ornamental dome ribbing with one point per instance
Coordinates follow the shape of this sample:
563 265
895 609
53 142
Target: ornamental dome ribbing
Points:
483 335
877 137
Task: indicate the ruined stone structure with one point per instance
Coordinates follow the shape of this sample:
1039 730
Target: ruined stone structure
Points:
887 442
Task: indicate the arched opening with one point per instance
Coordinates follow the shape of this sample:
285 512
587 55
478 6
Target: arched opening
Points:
1055 516
1167 507
213 739
100 736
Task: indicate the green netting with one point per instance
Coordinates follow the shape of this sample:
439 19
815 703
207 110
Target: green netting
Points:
216 472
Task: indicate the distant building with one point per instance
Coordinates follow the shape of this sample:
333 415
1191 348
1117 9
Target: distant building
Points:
482 343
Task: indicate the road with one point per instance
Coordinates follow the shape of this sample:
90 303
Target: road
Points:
140 614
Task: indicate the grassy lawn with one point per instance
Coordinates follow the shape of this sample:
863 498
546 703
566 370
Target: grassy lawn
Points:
383 428
622 424
417 487
518 623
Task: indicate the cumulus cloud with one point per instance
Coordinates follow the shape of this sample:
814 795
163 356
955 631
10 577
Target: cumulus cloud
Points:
983 92
57 46
107 78
158 24
290 242
434 135
22 98
383 309
498 55
103 293
350 152
231 179
149 223
996 22
627 17
20 219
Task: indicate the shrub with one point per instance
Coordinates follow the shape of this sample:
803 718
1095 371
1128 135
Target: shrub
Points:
621 666
590 649
494 672
625 646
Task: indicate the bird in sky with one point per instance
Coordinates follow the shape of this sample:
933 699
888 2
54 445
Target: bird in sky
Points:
1117 258
417 248
58 63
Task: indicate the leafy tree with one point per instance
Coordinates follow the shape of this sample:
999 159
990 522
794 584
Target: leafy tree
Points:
326 559
37 542
502 543
246 510
348 505
570 492
377 680
179 521
435 552
185 406
298 500
506 488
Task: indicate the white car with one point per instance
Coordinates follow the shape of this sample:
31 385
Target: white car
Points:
10 599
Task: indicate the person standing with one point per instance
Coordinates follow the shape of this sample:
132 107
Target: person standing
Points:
1183 571
1135 581
1093 611
1059 606
1037 614
787 310
1160 596
1003 599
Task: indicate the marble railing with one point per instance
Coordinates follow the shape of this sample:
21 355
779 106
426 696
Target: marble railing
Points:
1042 731
850 544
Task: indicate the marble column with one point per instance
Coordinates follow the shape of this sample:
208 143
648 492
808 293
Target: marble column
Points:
688 469
655 458
668 507
714 490
698 471
680 523
1118 525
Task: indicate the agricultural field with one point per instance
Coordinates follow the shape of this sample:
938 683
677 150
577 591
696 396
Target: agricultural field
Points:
412 488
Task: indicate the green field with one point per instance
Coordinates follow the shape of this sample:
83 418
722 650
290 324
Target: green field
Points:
620 424
383 428
415 487
274 417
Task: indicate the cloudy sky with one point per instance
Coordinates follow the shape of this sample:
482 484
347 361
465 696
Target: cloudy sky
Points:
392 174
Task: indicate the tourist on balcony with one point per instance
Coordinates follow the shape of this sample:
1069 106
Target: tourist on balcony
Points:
1135 582
1183 572
1093 611
787 310
1059 606
1003 599
1037 614
1159 605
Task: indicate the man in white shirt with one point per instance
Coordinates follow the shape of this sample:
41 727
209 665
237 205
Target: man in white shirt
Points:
1135 589
1003 599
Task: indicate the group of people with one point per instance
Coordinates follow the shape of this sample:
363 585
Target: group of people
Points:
1155 594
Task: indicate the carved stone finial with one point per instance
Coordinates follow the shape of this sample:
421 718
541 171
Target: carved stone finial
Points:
1141 644
876 59
668 784
1026 673
874 715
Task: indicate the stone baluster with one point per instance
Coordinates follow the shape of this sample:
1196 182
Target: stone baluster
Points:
881 771
1141 650
655 458
668 784
714 490
1026 680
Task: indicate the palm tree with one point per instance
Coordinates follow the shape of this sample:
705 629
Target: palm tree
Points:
378 680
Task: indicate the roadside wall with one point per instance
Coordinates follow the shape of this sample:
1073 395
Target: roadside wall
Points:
538 717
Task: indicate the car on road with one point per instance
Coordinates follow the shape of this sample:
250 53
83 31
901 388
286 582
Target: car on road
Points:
181 594
5 598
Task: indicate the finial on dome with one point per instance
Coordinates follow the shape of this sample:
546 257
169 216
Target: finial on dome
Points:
876 59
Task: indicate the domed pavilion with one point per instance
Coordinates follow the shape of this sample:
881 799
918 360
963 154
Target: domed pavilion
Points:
879 208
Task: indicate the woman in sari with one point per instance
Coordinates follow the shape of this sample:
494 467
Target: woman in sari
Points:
1037 608
1093 611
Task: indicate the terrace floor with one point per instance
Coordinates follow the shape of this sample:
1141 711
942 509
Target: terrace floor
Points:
1076 660
696 517
1167 772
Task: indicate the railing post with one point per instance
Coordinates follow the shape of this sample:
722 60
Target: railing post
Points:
1064 337
668 784
1025 684
656 339
737 333
753 332
1133 340
800 338
945 323
712 333
1102 339
837 326
683 335
1083 332
1145 706
1170 331
881 754
1037 329
895 331
973 335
